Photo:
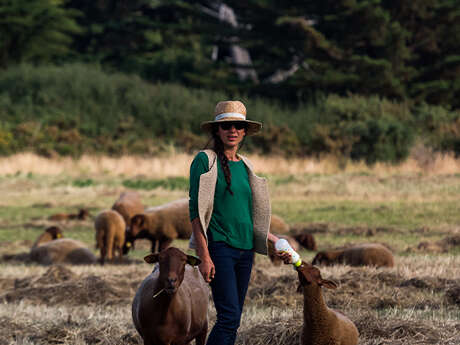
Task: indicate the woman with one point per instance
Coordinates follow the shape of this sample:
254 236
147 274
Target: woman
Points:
230 215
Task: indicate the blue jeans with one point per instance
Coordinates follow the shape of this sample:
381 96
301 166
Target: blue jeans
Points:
229 287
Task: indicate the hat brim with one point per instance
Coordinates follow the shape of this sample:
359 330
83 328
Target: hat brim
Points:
253 126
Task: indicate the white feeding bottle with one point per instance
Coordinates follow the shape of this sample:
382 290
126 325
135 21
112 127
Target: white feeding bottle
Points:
283 246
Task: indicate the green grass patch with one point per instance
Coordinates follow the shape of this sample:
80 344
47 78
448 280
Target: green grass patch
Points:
171 183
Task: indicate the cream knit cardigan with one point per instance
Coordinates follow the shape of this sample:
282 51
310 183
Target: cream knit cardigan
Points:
261 211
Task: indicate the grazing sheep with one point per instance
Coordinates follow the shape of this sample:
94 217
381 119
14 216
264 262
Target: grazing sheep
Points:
51 233
162 224
81 215
306 240
369 254
171 304
278 225
128 205
64 250
275 259
322 325
110 234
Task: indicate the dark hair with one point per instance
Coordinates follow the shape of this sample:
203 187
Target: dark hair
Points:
218 148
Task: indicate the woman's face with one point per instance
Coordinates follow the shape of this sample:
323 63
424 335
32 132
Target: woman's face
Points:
231 133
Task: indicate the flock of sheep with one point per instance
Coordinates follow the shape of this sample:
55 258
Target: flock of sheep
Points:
171 304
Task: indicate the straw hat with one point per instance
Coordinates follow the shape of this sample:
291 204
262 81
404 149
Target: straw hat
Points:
231 111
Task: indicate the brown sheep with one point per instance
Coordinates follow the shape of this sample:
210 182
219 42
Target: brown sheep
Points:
51 233
81 215
306 240
162 224
171 304
64 250
110 234
322 325
128 205
275 259
278 225
369 254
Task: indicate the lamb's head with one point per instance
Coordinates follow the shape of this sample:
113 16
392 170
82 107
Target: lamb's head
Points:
172 263
309 274
54 232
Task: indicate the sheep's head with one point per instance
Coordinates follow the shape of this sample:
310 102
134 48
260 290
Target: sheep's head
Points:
129 242
54 231
322 258
138 223
309 274
172 267
83 214
306 240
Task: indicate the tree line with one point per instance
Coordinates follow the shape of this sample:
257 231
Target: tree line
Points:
292 51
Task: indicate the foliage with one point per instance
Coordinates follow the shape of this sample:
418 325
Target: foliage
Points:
79 108
35 31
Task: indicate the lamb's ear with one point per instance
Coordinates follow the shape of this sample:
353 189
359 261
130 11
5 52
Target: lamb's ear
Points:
193 260
151 258
328 284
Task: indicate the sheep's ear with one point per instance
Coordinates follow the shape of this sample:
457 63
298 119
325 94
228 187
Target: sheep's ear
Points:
151 258
193 260
138 220
328 284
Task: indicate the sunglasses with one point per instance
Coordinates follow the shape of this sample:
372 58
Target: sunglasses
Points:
228 124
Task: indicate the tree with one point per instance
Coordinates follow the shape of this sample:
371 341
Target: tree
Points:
35 31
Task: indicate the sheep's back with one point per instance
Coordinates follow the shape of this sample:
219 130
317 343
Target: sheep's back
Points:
63 250
371 254
128 205
278 225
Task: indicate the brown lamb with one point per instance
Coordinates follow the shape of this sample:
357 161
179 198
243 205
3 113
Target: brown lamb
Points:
368 254
306 240
110 234
51 233
128 204
64 250
81 215
275 259
162 224
322 325
171 304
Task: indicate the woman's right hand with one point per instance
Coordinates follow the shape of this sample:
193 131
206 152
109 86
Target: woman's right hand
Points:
207 269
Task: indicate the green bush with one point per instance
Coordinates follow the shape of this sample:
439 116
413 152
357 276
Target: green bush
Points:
77 108
361 128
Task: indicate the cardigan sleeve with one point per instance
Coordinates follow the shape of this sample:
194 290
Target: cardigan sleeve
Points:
200 165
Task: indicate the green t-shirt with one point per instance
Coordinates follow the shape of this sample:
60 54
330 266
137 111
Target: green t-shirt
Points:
231 219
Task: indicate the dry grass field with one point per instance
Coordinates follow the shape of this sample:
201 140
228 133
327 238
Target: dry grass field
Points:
413 209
